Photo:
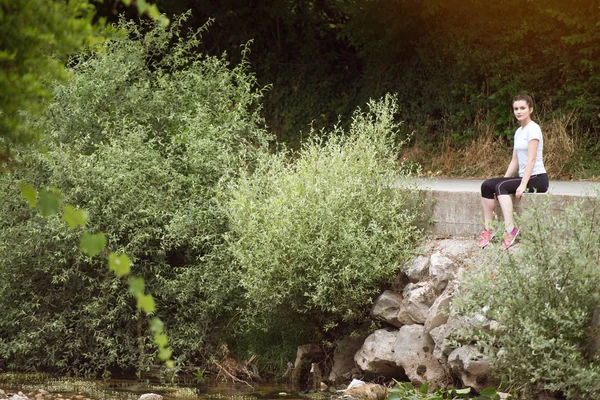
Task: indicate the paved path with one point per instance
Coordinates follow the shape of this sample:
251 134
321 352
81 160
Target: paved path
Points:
473 185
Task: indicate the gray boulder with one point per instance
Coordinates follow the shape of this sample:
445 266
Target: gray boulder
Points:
417 300
376 356
366 391
472 368
418 269
343 360
414 353
439 311
454 248
308 353
441 270
387 306
151 396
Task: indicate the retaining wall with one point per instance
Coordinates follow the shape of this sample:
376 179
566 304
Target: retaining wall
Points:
456 203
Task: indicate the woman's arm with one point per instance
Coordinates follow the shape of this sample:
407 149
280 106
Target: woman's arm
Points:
531 155
513 167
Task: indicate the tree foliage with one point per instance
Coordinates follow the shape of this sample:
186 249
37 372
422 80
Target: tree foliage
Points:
452 64
317 237
141 137
36 37
543 295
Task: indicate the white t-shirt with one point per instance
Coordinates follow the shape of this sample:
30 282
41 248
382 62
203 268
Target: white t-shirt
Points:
522 137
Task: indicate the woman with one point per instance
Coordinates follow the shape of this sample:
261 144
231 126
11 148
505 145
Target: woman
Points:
527 160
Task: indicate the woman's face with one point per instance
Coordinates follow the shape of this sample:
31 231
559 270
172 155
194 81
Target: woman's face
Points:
522 111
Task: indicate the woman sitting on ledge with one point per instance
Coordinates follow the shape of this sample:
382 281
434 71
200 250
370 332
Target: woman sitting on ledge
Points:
528 161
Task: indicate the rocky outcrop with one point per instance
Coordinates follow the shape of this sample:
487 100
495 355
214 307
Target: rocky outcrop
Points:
418 269
366 391
344 368
440 309
414 353
441 271
386 307
419 343
151 396
376 356
417 299
472 367
308 353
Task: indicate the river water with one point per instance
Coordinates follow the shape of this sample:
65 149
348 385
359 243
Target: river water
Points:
113 389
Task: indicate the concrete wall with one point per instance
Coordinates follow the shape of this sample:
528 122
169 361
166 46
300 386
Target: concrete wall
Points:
456 204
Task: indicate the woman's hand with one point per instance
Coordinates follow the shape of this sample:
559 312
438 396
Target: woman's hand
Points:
520 190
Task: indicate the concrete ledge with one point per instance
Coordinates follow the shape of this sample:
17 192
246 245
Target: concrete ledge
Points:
456 203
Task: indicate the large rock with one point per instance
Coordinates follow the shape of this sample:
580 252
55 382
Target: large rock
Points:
417 300
414 353
366 391
343 360
151 396
418 269
308 353
472 368
441 270
457 249
387 306
376 356
442 346
440 309
442 334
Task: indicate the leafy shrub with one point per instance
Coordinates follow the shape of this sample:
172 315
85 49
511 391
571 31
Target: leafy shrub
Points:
314 237
141 136
543 295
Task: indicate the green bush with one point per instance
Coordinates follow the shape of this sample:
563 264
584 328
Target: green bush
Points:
543 295
141 137
315 236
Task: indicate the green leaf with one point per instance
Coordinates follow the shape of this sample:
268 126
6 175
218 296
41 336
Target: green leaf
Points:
164 354
394 396
463 391
141 6
424 387
29 193
153 12
488 392
163 21
49 201
92 244
74 217
136 286
145 302
126 2
161 340
119 263
170 364
156 325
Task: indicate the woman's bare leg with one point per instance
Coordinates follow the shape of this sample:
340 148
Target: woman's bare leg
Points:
488 211
507 211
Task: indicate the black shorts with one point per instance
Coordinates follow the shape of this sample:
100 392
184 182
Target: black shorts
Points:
498 186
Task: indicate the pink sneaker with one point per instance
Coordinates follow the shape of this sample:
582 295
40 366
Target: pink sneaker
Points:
509 238
486 236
